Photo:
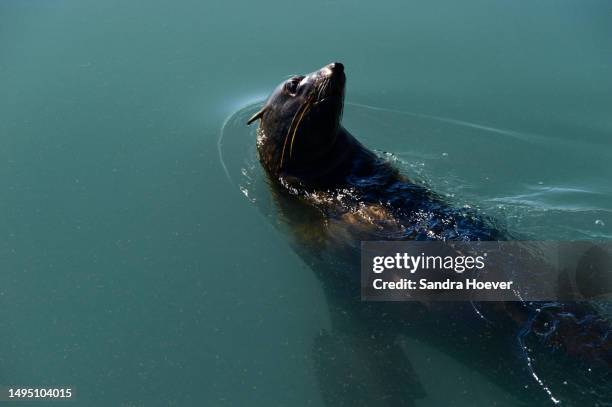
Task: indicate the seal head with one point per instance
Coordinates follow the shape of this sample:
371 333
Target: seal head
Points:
300 122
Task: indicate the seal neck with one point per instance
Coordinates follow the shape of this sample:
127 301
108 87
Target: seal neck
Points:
329 168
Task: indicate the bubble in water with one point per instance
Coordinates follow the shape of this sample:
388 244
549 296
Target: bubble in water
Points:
600 222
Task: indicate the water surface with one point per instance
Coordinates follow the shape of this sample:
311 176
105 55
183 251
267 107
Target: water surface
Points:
136 272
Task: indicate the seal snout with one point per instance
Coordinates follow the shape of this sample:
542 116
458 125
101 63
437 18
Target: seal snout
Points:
332 78
336 67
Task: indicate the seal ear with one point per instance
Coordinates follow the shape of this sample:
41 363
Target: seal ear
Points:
256 116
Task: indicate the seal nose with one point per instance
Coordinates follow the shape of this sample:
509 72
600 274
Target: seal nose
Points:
336 67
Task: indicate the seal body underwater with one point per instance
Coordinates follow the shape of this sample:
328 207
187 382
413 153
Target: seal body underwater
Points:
333 193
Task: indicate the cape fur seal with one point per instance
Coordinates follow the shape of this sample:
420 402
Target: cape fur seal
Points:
302 144
334 192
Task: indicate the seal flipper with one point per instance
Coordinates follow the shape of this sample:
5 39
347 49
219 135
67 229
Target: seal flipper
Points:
364 371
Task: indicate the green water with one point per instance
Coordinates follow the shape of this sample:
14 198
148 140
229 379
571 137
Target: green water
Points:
134 270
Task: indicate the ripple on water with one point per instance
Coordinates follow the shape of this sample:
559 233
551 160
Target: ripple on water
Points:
512 187
438 152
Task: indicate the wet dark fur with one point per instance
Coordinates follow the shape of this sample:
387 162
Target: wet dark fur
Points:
333 193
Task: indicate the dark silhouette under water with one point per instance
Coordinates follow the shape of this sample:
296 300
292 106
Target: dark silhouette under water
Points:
333 193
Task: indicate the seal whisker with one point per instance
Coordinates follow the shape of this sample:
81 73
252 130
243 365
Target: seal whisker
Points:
308 104
300 113
282 160
322 89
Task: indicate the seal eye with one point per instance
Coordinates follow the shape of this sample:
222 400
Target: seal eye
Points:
292 85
